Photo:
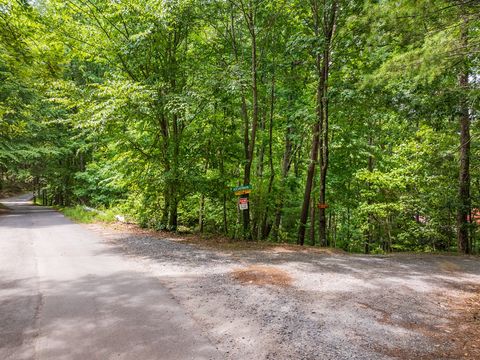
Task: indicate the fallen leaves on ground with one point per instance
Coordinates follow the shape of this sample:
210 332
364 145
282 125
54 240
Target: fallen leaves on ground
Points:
449 266
464 329
215 242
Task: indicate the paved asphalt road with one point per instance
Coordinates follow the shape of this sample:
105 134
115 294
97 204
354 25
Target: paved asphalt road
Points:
66 295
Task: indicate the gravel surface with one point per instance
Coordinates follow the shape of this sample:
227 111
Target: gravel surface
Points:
338 306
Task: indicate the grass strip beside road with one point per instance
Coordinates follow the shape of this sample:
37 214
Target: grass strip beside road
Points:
3 209
80 214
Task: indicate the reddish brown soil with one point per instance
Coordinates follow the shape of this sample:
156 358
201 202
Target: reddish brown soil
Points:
262 275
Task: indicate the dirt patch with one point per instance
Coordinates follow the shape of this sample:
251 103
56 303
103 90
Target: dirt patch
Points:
458 338
387 318
449 266
262 275
464 329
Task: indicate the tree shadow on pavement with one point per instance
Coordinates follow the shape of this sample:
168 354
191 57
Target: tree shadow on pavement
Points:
126 315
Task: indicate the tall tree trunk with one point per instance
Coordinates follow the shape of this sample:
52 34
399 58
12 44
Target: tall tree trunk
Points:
313 153
174 198
173 220
222 174
225 222
166 192
323 121
312 223
334 231
250 20
201 209
166 207
463 211
263 144
369 235
329 25
286 164
308 185
165 159
249 134
266 225
325 17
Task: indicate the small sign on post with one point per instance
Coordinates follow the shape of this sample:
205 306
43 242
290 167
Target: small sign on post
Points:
243 187
242 190
322 206
243 203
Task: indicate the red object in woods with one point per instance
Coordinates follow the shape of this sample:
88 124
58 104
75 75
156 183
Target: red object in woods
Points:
475 217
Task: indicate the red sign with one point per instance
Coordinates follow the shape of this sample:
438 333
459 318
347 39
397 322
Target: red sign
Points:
243 203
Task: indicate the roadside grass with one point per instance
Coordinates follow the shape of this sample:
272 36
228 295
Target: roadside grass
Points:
3 209
11 191
83 215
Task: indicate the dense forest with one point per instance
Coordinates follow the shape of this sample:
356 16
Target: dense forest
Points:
341 123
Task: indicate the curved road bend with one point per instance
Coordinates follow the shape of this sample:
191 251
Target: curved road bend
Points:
65 295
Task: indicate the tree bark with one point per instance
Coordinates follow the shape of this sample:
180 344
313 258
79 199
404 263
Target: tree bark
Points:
312 223
369 235
286 164
320 129
463 210
201 209
250 145
222 174
249 134
308 185
266 225
329 24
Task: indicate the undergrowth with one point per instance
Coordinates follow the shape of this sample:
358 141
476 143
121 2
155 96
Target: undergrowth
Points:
82 215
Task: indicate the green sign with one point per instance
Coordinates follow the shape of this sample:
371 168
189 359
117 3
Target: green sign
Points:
243 187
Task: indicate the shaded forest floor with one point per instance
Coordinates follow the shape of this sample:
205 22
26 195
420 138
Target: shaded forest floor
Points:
280 301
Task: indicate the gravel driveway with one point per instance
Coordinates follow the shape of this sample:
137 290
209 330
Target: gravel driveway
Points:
329 306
